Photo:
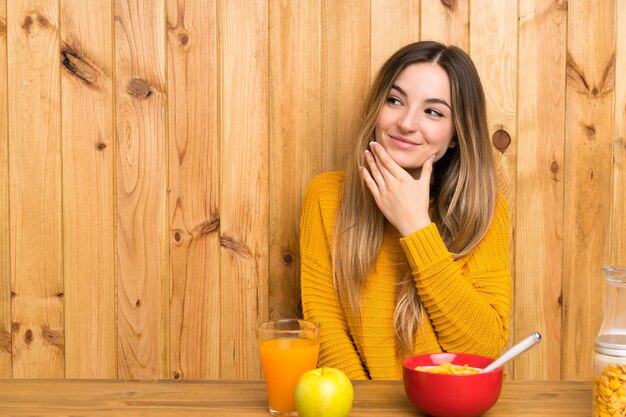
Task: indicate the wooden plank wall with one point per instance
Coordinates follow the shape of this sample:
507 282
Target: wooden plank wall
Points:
589 128
194 179
88 189
35 189
539 183
141 189
153 157
5 250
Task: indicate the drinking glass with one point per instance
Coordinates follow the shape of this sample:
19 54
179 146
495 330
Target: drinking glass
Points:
289 348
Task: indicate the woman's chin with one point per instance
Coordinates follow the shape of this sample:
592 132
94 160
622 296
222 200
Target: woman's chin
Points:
411 167
408 165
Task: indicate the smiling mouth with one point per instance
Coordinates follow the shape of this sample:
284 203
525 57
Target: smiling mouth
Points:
403 140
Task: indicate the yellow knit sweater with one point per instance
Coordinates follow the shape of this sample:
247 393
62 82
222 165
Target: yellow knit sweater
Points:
466 301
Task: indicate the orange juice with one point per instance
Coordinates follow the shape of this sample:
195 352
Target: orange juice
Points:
284 361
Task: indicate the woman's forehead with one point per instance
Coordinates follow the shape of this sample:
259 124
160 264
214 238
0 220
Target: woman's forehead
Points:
424 79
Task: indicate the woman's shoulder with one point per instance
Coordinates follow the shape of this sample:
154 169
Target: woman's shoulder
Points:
321 201
502 207
501 216
323 194
326 185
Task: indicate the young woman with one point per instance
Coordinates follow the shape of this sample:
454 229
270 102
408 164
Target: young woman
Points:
407 251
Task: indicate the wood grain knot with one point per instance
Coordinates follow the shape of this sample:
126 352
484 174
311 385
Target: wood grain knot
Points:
139 88
60 295
501 140
101 146
178 236
577 80
138 303
43 21
15 327
77 66
560 4
235 246
28 336
53 338
554 167
590 131
177 375
207 227
28 22
5 341
449 4
184 38
287 259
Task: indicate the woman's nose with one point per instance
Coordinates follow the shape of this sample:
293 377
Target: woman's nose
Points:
408 121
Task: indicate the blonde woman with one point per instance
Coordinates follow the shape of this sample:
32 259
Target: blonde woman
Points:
407 251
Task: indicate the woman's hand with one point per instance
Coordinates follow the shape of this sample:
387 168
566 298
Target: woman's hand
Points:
402 199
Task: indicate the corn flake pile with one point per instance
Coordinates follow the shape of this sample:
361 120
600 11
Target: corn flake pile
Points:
609 392
448 368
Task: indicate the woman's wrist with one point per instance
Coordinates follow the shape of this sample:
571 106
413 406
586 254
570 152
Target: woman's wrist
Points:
409 228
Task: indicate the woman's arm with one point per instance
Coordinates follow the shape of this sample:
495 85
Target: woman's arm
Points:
319 298
468 300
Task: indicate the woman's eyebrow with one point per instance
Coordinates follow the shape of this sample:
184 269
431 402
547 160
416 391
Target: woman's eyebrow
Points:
438 100
429 100
401 91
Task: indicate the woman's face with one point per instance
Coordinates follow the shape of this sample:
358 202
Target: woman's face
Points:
416 119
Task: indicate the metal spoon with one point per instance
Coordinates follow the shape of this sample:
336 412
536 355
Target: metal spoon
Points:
519 348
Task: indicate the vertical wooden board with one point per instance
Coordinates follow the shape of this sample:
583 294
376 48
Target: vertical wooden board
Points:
5 246
194 184
493 40
588 156
295 136
493 48
244 197
394 23
345 63
35 189
539 185
88 205
446 22
616 242
141 176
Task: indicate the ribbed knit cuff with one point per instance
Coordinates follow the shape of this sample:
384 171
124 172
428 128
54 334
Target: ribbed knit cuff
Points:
424 247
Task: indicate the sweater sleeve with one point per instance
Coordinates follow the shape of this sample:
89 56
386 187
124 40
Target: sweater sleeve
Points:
320 301
468 300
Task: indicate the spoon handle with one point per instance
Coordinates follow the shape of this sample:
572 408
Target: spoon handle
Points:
519 348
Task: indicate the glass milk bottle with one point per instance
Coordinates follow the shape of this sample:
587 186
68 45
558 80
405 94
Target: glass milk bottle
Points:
609 357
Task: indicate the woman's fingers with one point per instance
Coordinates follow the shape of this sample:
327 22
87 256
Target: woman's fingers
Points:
386 164
370 183
374 169
402 199
427 169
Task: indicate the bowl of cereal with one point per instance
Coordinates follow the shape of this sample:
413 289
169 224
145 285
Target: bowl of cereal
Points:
450 385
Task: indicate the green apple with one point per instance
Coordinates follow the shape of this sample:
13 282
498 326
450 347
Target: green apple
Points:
324 392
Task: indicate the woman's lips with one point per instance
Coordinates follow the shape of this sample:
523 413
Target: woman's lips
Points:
402 143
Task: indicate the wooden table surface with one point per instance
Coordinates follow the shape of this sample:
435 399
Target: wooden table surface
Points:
44 398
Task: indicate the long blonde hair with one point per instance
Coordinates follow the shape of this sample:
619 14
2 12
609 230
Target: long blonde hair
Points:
463 188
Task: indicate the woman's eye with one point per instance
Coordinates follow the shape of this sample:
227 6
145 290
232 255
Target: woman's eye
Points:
434 112
394 100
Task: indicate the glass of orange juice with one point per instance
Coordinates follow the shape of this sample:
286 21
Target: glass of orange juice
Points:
289 348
